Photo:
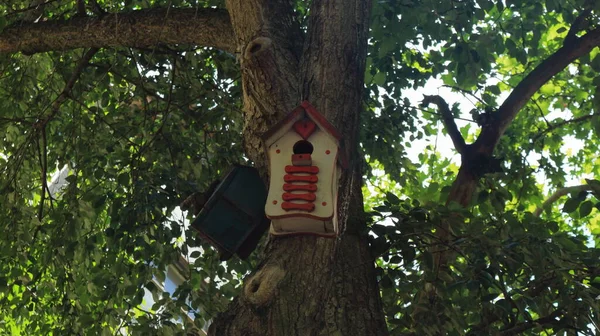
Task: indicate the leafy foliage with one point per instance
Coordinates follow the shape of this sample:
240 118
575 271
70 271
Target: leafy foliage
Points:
139 130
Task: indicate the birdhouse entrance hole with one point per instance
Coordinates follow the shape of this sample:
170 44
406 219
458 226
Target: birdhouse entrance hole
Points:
303 147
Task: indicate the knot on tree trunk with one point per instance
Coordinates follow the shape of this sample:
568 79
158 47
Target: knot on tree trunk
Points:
256 47
261 288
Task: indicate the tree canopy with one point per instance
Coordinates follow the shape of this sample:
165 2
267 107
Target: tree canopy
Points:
142 102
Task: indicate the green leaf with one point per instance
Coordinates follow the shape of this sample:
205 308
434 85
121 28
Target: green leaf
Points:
595 64
408 255
585 208
123 179
379 79
553 226
571 205
393 199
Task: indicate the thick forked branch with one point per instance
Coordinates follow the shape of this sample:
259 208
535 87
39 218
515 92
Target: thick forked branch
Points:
448 119
143 28
519 96
560 193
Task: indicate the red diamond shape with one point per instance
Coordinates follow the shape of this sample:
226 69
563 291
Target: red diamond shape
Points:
305 128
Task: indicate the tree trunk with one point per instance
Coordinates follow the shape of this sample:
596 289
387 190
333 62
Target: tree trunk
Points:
307 285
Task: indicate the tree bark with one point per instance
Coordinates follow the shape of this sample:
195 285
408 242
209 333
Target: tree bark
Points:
307 285
144 28
304 285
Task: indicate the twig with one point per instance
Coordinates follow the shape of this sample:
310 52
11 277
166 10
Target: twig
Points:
44 159
519 328
66 92
541 112
103 120
40 125
560 193
448 119
562 123
467 92
32 7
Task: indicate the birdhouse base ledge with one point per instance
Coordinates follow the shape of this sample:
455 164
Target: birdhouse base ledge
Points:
303 226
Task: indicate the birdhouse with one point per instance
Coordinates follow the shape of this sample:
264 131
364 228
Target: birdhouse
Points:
305 163
233 219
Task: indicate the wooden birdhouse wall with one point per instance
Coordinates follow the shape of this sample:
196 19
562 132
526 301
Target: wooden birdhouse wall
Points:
304 171
323 157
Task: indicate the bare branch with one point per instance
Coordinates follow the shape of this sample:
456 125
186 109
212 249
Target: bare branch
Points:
521 327
552 127
66 92
552 65
143 28
558 194
466 92
44 167
448 119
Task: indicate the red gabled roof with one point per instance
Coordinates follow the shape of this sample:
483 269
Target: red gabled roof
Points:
312 112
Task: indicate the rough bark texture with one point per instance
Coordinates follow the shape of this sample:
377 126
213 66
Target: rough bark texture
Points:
270 42
307 285
144 28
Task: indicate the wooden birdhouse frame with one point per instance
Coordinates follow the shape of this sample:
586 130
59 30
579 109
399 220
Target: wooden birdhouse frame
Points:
305 162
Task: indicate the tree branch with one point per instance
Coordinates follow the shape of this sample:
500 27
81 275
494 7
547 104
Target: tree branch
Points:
66 92
558 194
81 8
577 26
44 167
552 127
448 119
143 28
552 65
466 92
519 328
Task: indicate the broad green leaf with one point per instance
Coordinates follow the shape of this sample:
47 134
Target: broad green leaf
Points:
585 208
571 205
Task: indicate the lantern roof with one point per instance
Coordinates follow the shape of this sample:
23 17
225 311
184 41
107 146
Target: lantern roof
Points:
306 110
